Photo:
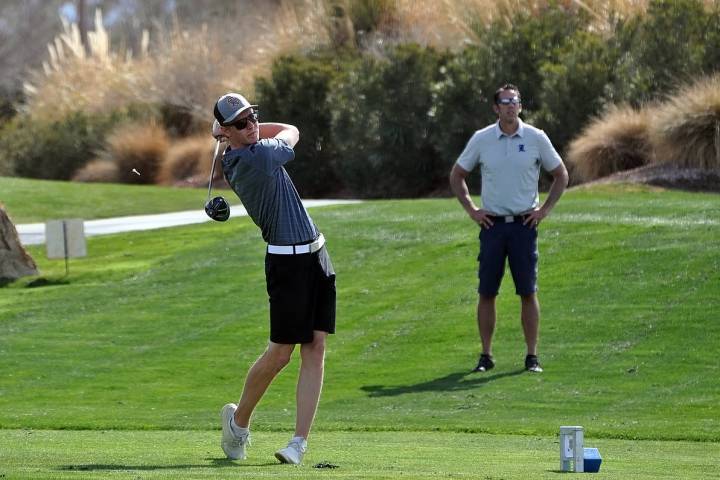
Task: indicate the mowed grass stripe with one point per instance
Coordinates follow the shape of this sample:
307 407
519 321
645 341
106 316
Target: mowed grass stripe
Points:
32 201
380 455
155 330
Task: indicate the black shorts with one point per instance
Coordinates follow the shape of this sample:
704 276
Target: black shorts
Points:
518 244
301 288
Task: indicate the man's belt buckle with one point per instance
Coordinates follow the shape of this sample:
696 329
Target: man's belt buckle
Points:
509 219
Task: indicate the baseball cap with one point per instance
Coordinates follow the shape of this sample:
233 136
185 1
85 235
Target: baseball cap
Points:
229 106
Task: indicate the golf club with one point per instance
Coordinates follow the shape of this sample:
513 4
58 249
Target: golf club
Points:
216 208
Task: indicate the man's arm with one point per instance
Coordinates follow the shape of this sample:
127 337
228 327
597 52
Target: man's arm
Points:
283 131
559 183
459 187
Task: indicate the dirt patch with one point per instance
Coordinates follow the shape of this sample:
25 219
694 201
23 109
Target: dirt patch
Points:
668 176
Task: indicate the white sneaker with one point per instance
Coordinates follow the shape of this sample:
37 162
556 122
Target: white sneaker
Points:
232 445
293 453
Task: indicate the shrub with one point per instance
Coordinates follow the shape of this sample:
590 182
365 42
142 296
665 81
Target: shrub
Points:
297 93
520 42
462 102
51 149
686 129
521 47
188 162
572 86
382 120
97 171
55 149
662 48
138 151
711 62
618 140
8 99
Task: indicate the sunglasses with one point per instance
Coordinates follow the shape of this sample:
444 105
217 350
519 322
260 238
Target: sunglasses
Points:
508 101
243 122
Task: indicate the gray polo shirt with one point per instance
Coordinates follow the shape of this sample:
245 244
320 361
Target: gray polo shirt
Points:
509 166
256 174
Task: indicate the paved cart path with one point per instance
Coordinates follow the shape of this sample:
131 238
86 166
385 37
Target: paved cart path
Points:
34 233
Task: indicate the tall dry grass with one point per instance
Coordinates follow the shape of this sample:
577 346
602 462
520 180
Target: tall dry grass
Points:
616 141
452 24
184 67
686 129
97 171
71 80
138 151
188 162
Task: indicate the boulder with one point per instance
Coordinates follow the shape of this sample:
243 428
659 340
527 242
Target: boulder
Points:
15 262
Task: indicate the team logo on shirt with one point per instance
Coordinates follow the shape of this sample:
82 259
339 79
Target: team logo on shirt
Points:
521 147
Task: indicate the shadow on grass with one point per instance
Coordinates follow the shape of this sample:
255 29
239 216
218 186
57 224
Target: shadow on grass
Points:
214 463
448 383
47 282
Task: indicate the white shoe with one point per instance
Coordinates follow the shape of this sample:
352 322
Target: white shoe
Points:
293 453
232 445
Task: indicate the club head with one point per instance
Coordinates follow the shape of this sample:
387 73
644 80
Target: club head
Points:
216 133
217 209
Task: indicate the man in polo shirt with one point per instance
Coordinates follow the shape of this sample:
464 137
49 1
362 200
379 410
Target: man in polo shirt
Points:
299 274
510 154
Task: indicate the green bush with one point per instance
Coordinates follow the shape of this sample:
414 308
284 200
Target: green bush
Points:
463 101
676 40
711 61
8 99
50 150
297 93
518 46
55 150
573 86
382 124
522 53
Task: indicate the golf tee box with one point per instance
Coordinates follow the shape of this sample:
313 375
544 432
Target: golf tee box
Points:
573 456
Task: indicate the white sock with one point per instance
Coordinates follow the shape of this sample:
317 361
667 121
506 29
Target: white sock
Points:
299 439
238 431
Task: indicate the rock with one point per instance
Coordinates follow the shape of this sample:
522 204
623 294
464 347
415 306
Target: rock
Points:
15 262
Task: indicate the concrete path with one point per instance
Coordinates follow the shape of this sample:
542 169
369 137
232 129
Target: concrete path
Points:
34 233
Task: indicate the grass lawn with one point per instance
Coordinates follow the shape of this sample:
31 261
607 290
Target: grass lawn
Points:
155 330
378 455
32 201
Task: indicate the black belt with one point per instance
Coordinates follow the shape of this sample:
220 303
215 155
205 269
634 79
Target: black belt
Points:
507 218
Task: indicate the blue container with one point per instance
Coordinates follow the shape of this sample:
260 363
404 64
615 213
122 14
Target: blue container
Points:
592 459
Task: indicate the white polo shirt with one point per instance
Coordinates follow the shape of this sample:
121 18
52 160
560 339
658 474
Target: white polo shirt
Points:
509 166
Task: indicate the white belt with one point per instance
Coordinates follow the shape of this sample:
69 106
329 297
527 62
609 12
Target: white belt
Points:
297 249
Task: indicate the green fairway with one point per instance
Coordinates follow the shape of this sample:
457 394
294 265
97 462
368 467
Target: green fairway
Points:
382 455
155 330
30 201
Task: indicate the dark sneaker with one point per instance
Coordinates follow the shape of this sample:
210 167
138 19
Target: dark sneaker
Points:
484 364
532 364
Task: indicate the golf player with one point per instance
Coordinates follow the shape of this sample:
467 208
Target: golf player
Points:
299 274
510 154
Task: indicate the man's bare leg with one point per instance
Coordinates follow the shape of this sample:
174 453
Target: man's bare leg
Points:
530 318
259 378
486 322
310 382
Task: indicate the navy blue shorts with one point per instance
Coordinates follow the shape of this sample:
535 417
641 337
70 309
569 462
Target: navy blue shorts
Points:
301 289
517 243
